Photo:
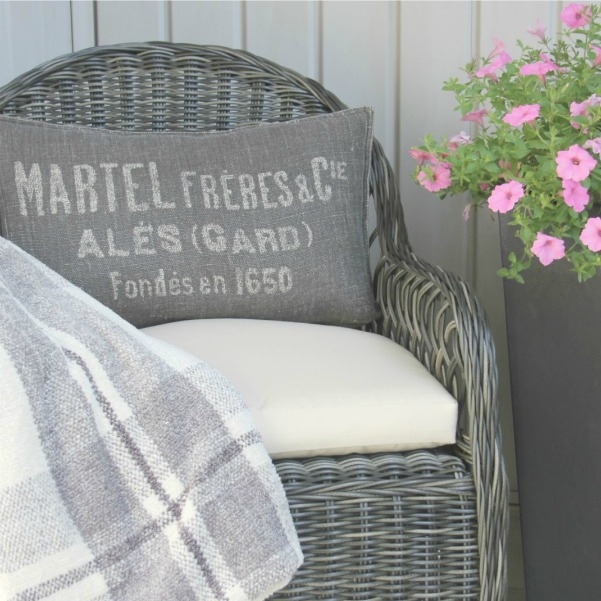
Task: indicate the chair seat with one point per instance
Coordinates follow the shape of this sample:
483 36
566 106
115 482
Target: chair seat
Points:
322 390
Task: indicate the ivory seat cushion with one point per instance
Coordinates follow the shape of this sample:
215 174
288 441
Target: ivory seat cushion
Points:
322 390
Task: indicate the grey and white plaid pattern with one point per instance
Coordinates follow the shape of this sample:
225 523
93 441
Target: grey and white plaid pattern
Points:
128 470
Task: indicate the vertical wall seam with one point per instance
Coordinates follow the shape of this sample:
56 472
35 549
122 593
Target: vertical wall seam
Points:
475 31
396 90
95 13
162 8
239 25
318 40
168 16
312 42
72 26
243 25
555 9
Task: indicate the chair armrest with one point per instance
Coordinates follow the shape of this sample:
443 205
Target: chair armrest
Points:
437 318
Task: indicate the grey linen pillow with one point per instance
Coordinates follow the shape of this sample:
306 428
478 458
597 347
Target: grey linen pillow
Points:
265 222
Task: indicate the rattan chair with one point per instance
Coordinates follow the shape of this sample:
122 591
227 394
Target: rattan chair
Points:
415 525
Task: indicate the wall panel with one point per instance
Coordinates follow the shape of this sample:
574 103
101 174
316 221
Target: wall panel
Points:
283 32
356 66
436 40
209 22
32 32
83 24
132 21
360 66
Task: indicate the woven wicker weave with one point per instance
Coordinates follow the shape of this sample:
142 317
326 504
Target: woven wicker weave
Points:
418 525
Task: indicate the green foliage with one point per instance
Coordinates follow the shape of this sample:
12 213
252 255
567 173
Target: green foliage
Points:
527 153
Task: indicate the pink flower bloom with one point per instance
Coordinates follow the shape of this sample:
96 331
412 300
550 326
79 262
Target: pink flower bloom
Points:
591 234
458 140
593 100
548 248
574 15
505 196
525 113
578 109
594 145
504 59
597 60
575 195
491 70
551 64
439 179
499 47
540 31
421 156
581 109
475 116
539 68
574 163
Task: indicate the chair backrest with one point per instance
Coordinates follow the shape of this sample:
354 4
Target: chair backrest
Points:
163 86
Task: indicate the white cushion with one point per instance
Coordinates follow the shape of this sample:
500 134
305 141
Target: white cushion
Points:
322 390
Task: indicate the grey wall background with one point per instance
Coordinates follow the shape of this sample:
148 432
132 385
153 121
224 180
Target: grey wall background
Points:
391 55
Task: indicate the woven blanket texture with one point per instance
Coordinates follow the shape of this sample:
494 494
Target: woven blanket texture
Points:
129 470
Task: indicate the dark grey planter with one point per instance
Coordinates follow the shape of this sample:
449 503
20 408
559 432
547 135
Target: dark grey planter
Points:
554 335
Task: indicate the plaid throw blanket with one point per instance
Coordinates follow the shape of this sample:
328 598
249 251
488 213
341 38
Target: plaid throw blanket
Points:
128 469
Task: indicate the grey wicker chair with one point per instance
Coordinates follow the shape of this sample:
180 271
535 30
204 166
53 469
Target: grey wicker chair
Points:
416 525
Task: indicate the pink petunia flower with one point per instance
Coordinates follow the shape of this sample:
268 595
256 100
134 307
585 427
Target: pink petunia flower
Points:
421 156
594 145
548 248
439 179
578 109
551 64
591 234
491 70
458 140
574 15
475 116
525 113
581 109
597 60
540 68
574 163
503 59
575 195
540 31
505 196
498 49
